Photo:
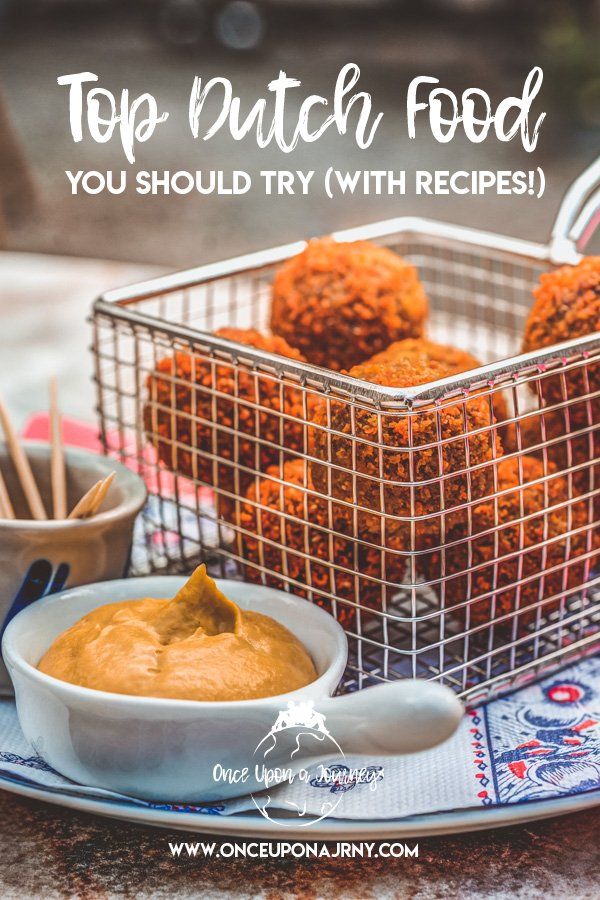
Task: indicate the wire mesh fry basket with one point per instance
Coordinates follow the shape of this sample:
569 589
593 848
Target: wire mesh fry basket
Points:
451 527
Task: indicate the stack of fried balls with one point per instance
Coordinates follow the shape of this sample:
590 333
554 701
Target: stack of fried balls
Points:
344 501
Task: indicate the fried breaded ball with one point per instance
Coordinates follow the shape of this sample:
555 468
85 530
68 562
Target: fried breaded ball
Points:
567 449
189 413
518 554
430 455
455 360
293 518
341 302
567 306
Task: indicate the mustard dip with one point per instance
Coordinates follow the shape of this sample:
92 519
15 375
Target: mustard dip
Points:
197 646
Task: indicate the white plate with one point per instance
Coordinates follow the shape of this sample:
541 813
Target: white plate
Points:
254 825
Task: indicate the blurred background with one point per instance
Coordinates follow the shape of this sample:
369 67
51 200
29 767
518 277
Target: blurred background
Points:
160 45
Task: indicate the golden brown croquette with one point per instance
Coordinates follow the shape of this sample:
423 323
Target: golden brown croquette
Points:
341 302
567 306
453 358
572 451
518 538
194 407
417 463
285 528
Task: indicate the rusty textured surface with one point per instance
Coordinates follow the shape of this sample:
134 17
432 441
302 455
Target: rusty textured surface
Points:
49 852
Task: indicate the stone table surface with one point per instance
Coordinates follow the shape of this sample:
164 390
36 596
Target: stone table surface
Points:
51 852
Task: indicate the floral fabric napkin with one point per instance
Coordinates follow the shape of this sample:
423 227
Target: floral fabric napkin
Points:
540 743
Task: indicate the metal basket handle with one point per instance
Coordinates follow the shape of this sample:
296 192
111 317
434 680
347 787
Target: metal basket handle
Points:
578 216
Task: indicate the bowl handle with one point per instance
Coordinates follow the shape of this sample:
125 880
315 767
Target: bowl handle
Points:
390 719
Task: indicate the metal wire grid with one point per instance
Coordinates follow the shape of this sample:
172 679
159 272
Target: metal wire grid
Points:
203 445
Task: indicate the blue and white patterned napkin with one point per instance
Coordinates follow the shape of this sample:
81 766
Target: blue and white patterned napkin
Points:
540 743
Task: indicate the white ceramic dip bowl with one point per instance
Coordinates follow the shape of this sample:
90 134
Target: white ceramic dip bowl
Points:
170 750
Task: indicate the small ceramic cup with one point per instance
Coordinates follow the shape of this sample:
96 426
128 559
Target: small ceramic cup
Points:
38 558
